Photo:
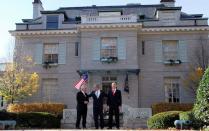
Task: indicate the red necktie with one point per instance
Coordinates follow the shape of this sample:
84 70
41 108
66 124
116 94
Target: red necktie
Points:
113 92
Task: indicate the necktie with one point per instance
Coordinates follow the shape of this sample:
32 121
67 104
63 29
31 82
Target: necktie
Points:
113 92
97 94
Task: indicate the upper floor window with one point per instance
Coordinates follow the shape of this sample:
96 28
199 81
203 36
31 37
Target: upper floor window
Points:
51 53
108 47
170 50
171 86
52 22
76 48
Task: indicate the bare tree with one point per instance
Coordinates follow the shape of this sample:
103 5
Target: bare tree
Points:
198 64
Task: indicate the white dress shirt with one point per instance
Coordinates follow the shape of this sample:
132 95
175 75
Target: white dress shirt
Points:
97 93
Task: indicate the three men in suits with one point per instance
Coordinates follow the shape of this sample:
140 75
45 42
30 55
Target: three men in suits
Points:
82 102
114 101
98 98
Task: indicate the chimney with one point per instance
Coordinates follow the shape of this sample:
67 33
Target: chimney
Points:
37 8
168 3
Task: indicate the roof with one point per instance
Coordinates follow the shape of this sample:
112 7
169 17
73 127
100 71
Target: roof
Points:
114 6
169 8
147 11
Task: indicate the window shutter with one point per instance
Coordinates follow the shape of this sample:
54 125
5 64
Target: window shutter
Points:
62 53
158 51
121 49
182 51
96 49
39 53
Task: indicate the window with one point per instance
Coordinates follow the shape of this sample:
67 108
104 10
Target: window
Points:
76 48
1 101
108 47
52 22
171 86
49 90
51 53
143 47
170 50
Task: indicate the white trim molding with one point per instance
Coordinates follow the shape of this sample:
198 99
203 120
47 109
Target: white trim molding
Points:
110 26
42 32
174 29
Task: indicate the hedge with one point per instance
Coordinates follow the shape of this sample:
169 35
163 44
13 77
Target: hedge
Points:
35 120
189 116
164 107
163 120
54 108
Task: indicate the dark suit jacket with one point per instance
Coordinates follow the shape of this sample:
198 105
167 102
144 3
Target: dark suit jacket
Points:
114 100
80 100
98 102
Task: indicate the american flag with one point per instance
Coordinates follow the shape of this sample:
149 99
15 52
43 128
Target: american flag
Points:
83 80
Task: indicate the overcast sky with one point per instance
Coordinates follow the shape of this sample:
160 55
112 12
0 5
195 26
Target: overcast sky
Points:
12 11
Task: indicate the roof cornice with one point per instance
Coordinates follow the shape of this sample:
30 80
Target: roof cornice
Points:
42 32
110 26
174 29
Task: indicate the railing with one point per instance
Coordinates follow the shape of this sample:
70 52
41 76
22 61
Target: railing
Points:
109 19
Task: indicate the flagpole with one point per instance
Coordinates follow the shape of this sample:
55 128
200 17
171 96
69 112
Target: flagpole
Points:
88 80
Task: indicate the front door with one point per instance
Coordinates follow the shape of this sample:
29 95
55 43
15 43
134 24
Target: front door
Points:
106 84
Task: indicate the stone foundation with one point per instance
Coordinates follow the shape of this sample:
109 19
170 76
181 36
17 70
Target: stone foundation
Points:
132 117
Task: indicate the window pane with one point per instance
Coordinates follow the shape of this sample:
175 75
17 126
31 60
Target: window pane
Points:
52 22
51 53
171 86
170 49
76 48
109 47
52 25
52 18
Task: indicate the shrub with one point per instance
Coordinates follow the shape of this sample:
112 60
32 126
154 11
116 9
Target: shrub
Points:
201 105
186 115
189 116
37 107
7 116
163 120
35 120
163 107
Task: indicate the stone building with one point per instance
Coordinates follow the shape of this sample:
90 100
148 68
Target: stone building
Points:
146 47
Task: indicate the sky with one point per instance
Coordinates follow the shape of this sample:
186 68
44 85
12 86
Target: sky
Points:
13 11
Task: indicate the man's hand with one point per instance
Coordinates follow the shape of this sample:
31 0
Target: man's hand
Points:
86 102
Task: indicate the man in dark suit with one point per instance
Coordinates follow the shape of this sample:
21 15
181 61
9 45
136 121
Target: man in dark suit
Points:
98 98
82 102
114 101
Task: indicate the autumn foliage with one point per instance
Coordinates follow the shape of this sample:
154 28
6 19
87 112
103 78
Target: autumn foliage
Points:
16 83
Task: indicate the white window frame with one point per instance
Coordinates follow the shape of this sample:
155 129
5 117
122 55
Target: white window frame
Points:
169 83
167 53
111 52
53 51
